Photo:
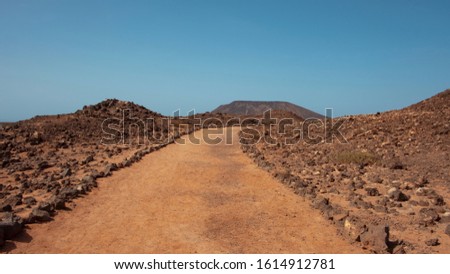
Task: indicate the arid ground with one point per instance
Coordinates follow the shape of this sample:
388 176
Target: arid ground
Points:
188 199
379 184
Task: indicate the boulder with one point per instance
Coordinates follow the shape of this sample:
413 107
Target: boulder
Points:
397 195
46 206
397 165
353 228
432 242
428 216
68 193
29 201
9 203
447 230
438 200
109 168
322 204
88 159
57 202
445 218
38 215
66 172
376 238
88 179
11 226
43 165
36 138
372 191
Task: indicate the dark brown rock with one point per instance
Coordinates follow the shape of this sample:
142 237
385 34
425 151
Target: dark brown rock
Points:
109 168
29 201
57 203
397 195
428 216
38 215
445 218
43 165
88 159
432 242
11 226
447 230
9 203
66 172
372 191
376 238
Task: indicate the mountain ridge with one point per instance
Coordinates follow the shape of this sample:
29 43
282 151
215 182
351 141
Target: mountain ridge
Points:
243 107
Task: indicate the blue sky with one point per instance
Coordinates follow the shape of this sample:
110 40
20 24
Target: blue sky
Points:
354 56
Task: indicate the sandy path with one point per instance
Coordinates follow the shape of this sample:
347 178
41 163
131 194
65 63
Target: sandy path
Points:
188 199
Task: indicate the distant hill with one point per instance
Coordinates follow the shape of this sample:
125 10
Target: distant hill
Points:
439 102
259 107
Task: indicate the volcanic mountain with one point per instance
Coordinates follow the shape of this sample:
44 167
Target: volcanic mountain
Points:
259 107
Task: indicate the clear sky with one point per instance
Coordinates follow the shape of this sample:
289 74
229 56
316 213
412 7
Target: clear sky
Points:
355 56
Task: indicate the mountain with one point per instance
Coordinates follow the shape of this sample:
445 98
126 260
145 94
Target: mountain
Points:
439 102
259 107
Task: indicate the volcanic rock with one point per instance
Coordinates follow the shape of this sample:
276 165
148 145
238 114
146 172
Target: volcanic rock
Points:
38 215
432 242
376 238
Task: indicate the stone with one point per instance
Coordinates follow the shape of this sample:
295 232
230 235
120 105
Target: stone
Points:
68 193
29 201
423 203
447 230
397 165
396 195
36 138
353 228
45 206
429 216
5 208
88 180
43 165
109 168
9 203
62 144
445 218
322 204
425 191
432 242
376 237
81 189
66 172
88 159
438 200
57 202
372 191
126 163
11 226
38 215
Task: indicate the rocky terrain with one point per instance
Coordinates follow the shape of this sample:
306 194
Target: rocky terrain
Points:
252 108
49 161
384 183
386 187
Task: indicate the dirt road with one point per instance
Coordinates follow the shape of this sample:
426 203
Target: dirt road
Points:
188 199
